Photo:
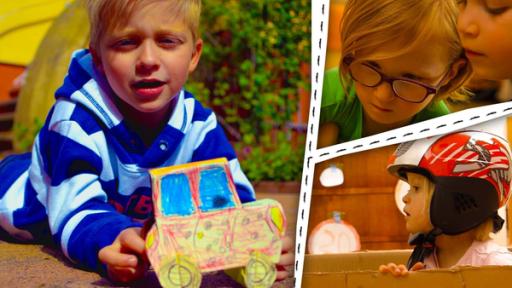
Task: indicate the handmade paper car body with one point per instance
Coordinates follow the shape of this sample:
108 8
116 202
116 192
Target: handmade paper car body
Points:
201 226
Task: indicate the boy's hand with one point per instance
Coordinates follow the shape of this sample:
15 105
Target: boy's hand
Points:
399 270
287 258
125 258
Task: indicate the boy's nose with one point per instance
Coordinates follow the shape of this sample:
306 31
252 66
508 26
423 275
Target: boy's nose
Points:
147 61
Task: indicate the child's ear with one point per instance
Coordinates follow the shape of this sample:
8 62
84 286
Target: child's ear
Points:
196 55
96 59
456 66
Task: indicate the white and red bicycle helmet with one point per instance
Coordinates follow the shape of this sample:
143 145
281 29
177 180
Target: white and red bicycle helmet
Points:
471 171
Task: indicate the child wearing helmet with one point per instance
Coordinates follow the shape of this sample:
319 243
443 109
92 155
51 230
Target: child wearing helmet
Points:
458 182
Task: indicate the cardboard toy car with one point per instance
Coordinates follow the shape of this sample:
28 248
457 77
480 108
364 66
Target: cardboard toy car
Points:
201 226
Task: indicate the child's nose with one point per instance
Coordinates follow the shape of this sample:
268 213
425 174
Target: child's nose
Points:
468 30
384 92
467 23
406 198
148 61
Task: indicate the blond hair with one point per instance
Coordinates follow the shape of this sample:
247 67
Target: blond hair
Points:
484 230
369 25
106 15
481 232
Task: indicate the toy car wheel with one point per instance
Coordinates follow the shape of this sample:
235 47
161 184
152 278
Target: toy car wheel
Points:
180 272
260 271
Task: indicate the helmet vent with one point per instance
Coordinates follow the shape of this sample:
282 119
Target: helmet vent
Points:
402 148
465 203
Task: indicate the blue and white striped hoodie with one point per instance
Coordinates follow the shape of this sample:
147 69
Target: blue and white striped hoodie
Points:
87 177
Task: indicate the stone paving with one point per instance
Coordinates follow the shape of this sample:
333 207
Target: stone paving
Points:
29 265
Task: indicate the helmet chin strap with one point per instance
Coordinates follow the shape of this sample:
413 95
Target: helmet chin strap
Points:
425 243
424 246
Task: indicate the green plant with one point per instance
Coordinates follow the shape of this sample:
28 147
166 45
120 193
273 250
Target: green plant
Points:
24 136
279 161
254 63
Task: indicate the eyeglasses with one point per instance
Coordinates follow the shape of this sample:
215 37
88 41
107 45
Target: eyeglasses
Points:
406 89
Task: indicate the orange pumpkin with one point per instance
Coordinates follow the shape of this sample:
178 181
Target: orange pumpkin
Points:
333 236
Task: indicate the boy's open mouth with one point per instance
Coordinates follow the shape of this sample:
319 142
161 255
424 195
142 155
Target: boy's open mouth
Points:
148 88
147 84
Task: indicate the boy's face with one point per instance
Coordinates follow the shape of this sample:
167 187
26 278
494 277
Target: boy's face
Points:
381 105
147 61
485 28
417 211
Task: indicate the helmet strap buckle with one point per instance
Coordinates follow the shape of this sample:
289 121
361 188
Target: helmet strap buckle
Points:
424 246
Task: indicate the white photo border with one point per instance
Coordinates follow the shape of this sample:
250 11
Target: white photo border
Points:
312 155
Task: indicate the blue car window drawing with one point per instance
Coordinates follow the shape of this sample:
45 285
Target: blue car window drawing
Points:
214 190
176 196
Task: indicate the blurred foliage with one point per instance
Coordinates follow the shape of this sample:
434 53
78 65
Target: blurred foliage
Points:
281 162
254 63
25 135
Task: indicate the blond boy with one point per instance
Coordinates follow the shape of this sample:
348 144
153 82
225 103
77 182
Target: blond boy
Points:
121 110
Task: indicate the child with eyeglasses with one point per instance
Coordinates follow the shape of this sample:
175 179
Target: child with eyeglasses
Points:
485 31
400 59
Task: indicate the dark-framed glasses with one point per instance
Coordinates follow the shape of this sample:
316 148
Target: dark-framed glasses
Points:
406 89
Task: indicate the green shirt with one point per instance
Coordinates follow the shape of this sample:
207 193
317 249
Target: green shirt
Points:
347 112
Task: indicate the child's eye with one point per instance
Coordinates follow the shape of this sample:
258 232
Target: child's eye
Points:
125 43
496 7
169 42
461 2
497 10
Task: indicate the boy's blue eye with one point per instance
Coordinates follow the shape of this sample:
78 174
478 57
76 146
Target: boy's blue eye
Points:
125 42
169 42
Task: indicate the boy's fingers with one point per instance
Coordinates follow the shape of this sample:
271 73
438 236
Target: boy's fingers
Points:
130 239
287 244
122 275
281 275
111 257
286 259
